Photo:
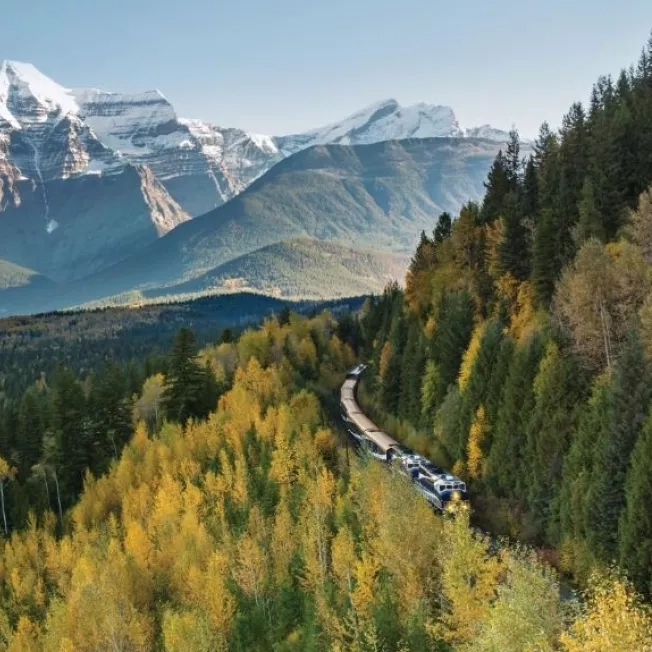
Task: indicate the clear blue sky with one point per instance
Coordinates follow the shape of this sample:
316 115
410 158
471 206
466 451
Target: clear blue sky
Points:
280 66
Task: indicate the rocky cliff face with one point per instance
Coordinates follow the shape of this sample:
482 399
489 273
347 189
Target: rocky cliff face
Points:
89 221
199 164
9 175
64 133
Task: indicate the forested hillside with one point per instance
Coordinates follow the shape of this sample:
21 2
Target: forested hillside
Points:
520 349
252 530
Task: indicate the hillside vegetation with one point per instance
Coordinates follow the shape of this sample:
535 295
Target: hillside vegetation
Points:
302 268
521 348
363 197
250 530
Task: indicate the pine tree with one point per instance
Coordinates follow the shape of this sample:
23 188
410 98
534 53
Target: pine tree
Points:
531 190
630 399
557 392
514 164
188 385
590 220
452 337
545 261
635 531
31 428
505 463
444 228
497 186
572 504
72 436
515 247
110 413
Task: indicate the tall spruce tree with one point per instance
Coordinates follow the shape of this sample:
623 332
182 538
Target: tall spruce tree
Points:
73 439
505 467
635 531
557 393
443 228
570 509
630 399
515 246
497 186
189 391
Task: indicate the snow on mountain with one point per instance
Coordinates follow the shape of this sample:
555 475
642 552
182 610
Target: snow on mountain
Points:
57 133
488 133
27 95
386 120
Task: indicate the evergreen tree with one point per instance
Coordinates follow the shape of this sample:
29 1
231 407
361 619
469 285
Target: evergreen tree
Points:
497 186
630 398
73 439
635 531
444 228
531 190
514 164
515 247
505 464
31 429
110 413
188 385
476 390
545 261
452 336
557 392
590 220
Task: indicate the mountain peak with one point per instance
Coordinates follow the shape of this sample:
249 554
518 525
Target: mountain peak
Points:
26 81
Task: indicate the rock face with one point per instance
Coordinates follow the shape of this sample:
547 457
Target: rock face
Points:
69 204
89 223
88 131
91 181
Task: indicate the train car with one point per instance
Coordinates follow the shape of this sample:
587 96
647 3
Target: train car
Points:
378 443
354 374
433 482
440 491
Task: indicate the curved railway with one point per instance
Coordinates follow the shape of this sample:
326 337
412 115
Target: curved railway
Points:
437 485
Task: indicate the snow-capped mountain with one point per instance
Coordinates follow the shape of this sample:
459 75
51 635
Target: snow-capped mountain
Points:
59 132
386 120
87 175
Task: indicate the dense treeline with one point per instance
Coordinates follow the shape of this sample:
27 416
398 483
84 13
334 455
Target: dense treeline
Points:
520 349
251 530
35 346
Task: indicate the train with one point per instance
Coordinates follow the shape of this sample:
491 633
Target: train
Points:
437 485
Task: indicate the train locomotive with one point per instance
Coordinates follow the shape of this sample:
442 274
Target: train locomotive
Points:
437 485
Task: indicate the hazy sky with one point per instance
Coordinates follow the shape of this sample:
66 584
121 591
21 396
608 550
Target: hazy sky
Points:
281 66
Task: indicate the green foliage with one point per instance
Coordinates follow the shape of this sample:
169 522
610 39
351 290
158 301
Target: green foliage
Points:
505 463
635 528
616 440
190 391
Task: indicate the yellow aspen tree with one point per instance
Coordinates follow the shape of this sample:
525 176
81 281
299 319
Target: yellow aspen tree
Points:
470 355
344 561
385 355
363 595
240 492
527 614
186 632
26 637
477 436
250 571
614 619
283 542
469 577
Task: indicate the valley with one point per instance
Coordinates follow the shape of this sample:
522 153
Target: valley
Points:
95 185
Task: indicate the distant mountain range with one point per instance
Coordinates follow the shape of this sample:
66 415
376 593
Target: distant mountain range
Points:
95 187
